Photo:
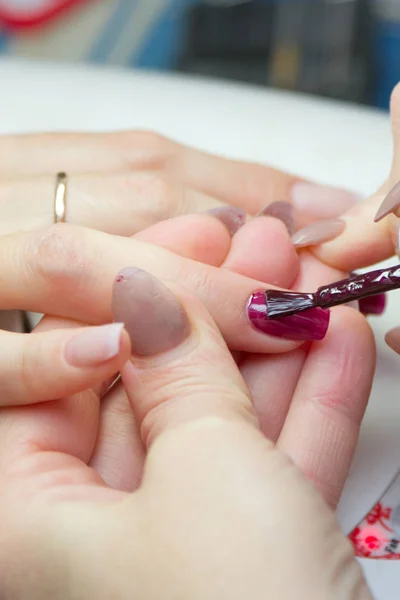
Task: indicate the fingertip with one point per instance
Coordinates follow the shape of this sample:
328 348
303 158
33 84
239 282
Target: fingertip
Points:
263 250
201 237
392 339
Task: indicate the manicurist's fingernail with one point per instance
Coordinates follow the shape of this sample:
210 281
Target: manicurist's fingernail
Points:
321 201
152 314
94 345
232 217
390 204
318 233
282 211
307 326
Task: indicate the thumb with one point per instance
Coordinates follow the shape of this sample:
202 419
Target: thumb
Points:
221 495
171 345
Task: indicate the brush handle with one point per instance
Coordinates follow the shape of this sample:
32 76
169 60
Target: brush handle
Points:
358 287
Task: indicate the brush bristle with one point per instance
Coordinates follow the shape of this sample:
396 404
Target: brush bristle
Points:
283 304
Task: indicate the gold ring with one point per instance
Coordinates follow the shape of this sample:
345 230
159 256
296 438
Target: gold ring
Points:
60 198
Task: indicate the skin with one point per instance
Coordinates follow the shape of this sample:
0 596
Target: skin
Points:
59 454
364 242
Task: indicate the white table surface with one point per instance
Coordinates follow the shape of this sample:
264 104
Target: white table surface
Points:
326 141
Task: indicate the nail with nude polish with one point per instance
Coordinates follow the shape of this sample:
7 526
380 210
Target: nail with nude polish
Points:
282 211
310 325
318 233
390 204
322 201
232 217
94 345
152 314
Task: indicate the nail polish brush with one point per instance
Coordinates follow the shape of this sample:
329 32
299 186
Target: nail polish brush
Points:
283 304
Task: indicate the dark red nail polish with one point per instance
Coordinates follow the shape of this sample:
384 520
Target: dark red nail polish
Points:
374 305
310 325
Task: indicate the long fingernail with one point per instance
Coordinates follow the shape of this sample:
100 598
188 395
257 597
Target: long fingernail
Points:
309 325
153 316
374 305
321 201
392 338
232 217
390 204
282 211
94 346
318 233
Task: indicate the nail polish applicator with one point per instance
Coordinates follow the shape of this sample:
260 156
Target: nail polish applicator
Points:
283 304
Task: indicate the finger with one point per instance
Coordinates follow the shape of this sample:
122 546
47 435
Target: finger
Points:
120 203
118 455
248 185
68 271
365 242
322 426
186 359
43 366
272 380
263 250
205 238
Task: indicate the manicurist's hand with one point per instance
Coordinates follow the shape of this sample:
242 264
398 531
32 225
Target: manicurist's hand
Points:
203 502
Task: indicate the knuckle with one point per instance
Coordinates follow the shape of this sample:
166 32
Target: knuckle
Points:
59 257
143 149
164 198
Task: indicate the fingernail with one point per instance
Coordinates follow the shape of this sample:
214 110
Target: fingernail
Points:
390 204
318 232
310 325
232 217
392 338
282 211
94 346
322 201
375 305
152 315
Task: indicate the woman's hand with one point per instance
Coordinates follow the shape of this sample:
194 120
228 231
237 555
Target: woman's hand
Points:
123 182
219 511
364 242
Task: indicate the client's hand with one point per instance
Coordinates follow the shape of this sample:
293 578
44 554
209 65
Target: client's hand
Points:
218 511
123 182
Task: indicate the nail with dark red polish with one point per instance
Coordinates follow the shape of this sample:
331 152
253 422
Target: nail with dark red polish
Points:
374 305
310 325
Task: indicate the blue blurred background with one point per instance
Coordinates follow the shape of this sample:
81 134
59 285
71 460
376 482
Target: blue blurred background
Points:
343 49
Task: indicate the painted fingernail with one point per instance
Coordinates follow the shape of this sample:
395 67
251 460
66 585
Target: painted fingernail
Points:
390 204
392 338
94 345
321 201
232 217
374 305
310 325
282 211
153 316
318 233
